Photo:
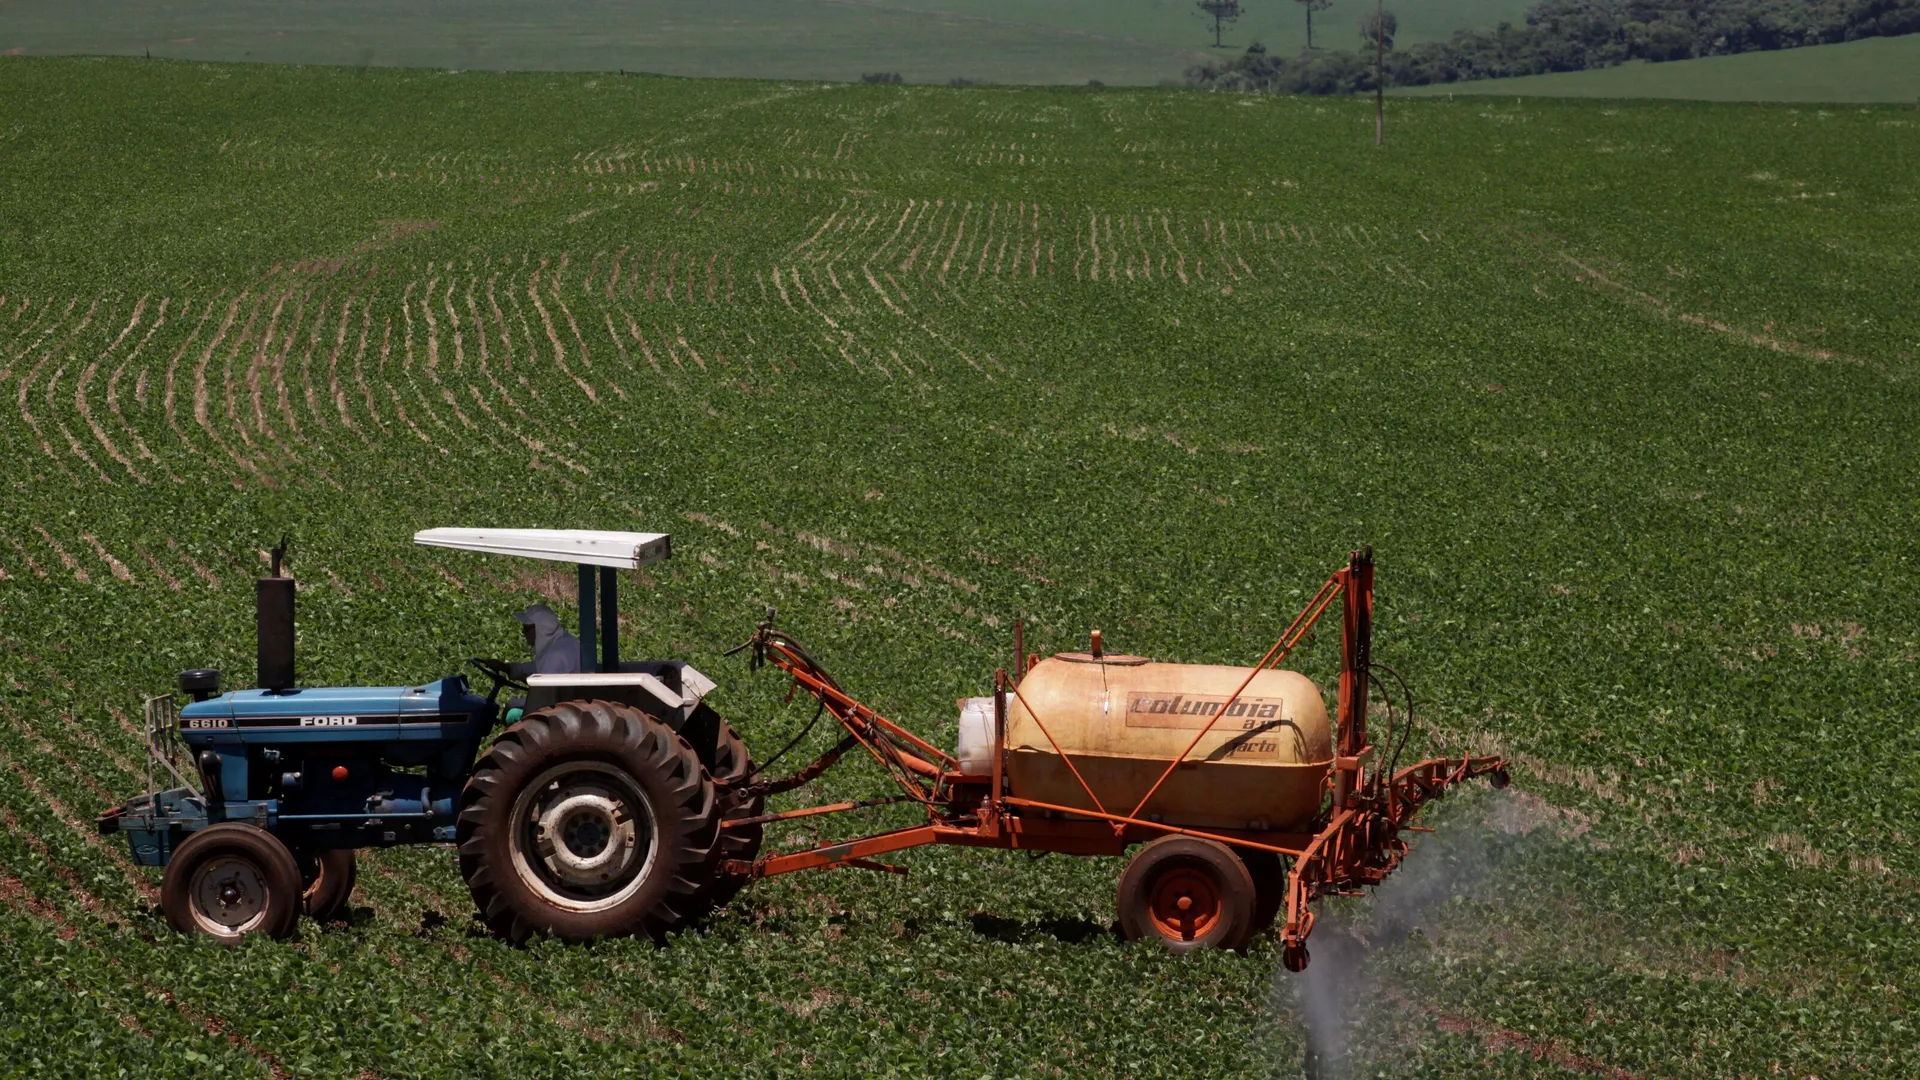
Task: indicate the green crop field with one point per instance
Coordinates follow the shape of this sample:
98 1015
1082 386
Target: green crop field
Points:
1873 70
1004 41
1623 395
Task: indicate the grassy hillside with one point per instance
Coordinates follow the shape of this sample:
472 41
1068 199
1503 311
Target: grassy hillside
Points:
1621 394
1874 70
1006 41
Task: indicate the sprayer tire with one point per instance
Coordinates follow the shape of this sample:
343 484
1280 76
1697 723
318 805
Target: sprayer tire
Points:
328 878
1187 893
230 881
1269 873
588 819
731 762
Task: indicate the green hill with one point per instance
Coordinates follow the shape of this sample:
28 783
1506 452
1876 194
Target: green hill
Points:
1873 70
1623 395
1005 41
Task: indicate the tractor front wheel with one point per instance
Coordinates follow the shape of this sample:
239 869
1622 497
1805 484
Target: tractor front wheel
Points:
1187 893
588 819
228 881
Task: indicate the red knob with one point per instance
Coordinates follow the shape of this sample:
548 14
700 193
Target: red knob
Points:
339 772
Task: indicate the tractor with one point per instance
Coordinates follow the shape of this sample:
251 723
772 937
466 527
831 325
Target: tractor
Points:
597 812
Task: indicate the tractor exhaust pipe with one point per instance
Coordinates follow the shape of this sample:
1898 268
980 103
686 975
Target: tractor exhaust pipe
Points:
273 626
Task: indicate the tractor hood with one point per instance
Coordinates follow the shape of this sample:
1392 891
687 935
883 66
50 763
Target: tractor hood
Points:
445 701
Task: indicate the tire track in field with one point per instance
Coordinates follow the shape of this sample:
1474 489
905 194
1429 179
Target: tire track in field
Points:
201 392
359 362
336 394
26 387
586 355
1588 274
85 410
538 446
944 243
13 361
74 446
459 359
433 356
315 415
255 457
553 338
169 394
140 448
264 357
277 378
386 354
425 405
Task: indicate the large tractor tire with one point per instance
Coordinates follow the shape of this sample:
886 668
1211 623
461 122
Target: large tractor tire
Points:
230 881
731 762
588 819
328 878
1187 893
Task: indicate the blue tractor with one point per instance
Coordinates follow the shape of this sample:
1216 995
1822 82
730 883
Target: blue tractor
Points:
598 810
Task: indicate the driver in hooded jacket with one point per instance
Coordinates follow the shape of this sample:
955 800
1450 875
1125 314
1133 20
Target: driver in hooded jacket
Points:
555 652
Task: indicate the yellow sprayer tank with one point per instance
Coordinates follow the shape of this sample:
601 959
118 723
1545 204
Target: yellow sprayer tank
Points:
1123 718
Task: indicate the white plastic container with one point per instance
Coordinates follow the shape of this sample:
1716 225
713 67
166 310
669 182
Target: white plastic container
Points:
975 750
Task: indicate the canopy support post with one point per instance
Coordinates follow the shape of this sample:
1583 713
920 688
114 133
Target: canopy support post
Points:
609 619
588 622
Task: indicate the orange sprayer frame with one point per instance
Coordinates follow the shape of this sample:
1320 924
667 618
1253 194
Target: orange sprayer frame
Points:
1354 843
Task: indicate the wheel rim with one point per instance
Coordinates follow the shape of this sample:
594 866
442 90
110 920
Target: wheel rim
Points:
584 836
1185 904
229 896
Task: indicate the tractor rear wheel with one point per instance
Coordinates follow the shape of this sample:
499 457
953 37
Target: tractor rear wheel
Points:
588 819
732 763
230 880
328 877
1187 893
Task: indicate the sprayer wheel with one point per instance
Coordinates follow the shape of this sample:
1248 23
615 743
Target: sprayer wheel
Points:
588 819
328 876
230 880
1269 873
1187 893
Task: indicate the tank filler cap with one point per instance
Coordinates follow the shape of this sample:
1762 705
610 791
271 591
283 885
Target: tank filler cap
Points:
1108 658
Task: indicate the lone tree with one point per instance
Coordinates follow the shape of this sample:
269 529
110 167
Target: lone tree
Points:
1221 12
1377 30
1313 6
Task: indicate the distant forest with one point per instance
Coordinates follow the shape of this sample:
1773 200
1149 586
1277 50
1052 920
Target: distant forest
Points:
1569 35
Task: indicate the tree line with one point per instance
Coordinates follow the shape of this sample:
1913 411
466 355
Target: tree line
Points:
1567 35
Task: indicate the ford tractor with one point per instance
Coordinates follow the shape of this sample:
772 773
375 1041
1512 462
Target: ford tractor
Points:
597 811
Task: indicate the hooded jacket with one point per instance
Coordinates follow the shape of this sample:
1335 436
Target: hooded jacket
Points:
555 652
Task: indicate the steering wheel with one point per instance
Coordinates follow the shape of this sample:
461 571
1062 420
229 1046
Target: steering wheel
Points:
499 672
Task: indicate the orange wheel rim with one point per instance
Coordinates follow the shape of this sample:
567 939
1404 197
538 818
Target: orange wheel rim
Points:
1185 905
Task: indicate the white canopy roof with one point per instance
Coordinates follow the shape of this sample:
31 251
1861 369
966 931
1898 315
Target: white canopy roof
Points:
590 546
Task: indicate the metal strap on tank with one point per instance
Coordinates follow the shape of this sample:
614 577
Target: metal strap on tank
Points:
1084 786
1290 637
